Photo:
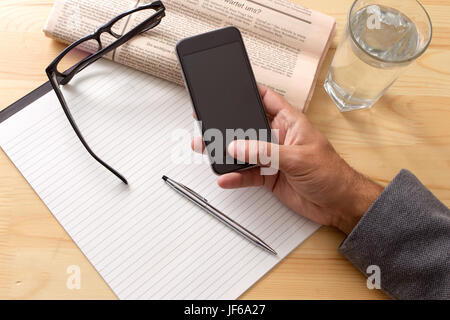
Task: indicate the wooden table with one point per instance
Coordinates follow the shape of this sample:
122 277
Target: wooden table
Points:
408 128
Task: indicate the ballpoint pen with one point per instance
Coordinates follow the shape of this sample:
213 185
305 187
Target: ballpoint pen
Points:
203 203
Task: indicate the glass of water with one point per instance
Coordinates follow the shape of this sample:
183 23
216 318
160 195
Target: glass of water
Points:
381 38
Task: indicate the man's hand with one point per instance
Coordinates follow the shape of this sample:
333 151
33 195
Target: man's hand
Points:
313 179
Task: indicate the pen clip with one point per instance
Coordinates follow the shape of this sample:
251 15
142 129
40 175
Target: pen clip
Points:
195 193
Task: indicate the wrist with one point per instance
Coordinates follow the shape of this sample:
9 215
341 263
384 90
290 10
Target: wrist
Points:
360 193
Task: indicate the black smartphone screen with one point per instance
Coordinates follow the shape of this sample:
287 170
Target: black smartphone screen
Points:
224 94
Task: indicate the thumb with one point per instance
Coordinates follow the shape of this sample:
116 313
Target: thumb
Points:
259 152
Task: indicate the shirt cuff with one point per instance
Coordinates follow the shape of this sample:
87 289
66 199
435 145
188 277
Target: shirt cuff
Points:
405 233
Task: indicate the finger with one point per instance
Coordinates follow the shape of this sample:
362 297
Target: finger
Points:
262 90
193 115
260 152
273 102
248 178
197 145
269 118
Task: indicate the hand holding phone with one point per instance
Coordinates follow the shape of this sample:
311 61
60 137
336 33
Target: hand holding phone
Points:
224 93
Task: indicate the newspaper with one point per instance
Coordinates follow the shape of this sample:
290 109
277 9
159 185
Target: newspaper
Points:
286 42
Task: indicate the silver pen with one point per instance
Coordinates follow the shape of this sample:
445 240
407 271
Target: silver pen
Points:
203 203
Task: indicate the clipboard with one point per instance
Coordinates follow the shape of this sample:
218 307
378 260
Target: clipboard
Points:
141 243
25 101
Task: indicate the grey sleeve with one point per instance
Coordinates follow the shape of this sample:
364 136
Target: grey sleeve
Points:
406 233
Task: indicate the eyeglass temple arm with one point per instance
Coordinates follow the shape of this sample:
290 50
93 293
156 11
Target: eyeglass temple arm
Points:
78 133
69 74
103 163
156 5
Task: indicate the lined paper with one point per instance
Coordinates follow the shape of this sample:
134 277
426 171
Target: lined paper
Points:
145 240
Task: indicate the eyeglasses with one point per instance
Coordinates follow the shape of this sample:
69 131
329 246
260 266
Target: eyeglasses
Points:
94 43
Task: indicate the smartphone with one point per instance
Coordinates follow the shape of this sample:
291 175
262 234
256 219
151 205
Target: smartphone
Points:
224 93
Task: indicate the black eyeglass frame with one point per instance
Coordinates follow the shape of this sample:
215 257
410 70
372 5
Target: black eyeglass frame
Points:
57 78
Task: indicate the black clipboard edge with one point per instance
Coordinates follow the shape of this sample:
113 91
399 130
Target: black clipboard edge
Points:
25 101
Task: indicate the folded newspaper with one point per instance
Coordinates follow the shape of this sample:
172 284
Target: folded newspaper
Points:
286 42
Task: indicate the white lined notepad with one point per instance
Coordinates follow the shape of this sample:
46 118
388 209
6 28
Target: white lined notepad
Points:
145 240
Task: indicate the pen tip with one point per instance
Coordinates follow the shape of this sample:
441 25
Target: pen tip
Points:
164 178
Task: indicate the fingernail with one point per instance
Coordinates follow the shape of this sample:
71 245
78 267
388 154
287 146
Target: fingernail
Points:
231 148
237 149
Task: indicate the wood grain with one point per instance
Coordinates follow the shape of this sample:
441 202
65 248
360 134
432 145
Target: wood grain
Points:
408 128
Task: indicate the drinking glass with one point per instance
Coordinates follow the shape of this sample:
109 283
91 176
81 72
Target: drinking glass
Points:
381 38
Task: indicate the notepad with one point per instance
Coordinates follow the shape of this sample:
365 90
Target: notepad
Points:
145 240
